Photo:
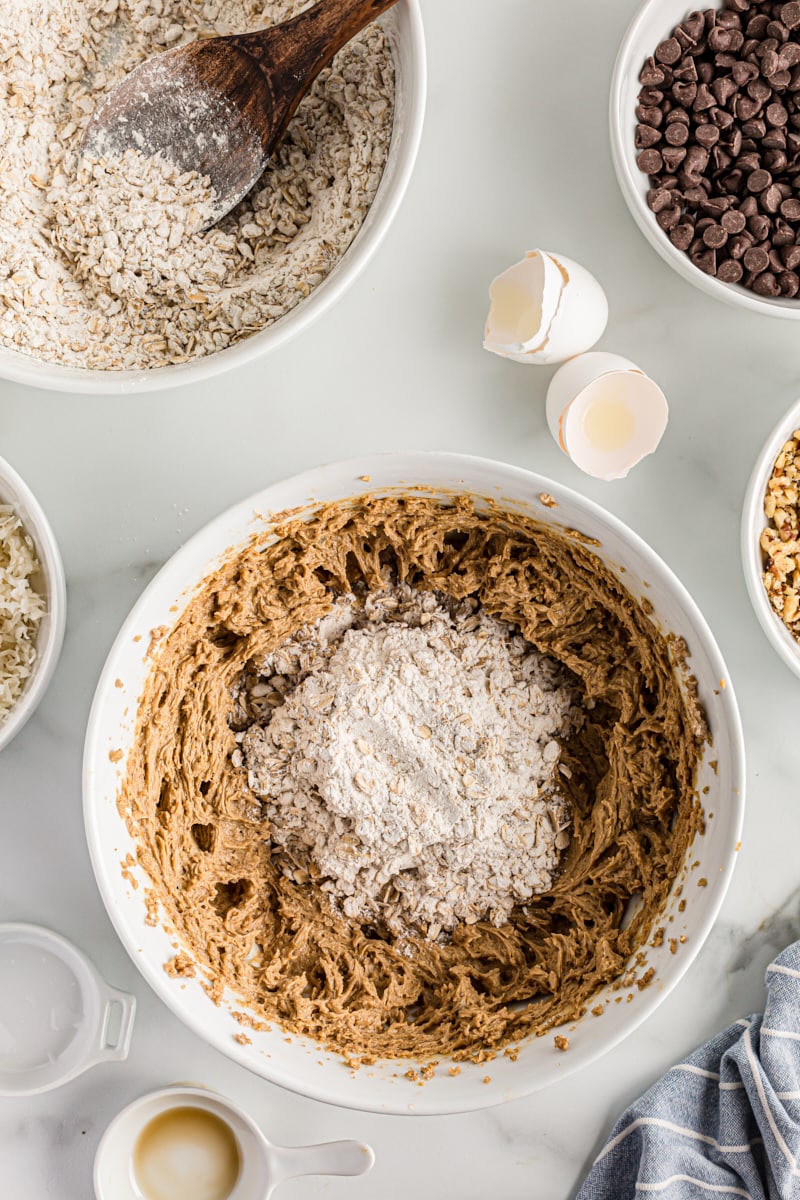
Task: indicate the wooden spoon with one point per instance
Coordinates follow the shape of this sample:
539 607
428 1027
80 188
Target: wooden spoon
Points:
221 105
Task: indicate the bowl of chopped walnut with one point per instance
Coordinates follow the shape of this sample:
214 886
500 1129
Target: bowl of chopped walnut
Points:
771 538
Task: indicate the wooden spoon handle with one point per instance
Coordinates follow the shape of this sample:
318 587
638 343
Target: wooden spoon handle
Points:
292 54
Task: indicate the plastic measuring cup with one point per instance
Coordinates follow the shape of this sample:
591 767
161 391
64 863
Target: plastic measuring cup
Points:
58 1017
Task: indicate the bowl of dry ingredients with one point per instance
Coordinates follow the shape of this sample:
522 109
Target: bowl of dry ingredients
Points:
770 538
32 603
108 281
418 796
705 139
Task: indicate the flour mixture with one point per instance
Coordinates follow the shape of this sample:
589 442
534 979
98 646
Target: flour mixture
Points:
104 264
408 757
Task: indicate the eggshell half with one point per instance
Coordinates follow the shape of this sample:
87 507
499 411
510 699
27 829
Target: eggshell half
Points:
590 382
544 309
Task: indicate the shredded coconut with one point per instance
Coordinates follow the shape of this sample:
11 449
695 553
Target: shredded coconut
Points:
406 758
103 264
21 609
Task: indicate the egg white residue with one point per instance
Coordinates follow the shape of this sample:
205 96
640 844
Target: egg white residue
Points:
605 414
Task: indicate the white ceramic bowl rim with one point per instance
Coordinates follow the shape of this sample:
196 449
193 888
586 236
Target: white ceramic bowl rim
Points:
311 1072
652 23
753 521
50 637
404 26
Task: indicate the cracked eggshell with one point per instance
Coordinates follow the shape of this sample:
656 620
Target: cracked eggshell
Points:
544 309
605 413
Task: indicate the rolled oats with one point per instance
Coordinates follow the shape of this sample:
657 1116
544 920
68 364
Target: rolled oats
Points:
104 264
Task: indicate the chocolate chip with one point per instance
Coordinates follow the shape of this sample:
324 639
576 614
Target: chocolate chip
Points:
650 115
759 226
759 90
715 237
744 107
791 257
677 133
646 136
766 284
651 75
777 31
682 236
704 98
669 218
694 25
790 209
790 15
723 89
669 51
758 180
650 161
756 27
730 271
696 160
706 260
719 39
788 283
659 198
733 141
775 161
673 156
749 162
776 114
755 128
756 259
789 55
684 93
707 135
783 234
770 199
774 139
733 222
732 182
739 245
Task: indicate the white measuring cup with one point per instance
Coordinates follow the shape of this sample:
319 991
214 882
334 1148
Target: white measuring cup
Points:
58 1017
262 1165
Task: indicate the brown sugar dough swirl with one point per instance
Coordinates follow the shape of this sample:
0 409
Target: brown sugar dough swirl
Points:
279 945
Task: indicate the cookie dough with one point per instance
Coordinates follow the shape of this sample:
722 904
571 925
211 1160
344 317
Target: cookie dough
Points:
277 943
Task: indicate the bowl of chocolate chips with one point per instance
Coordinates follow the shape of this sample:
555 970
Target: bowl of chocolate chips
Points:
705 137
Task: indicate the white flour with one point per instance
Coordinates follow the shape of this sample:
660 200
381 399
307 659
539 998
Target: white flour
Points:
409 759
100 276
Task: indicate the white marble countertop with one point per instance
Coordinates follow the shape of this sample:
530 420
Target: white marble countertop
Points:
515 155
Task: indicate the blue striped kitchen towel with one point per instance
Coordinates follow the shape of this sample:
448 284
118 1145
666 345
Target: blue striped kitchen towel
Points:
726 1121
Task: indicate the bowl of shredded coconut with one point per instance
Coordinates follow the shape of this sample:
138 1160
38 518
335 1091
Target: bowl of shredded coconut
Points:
427 790
32 603
109 279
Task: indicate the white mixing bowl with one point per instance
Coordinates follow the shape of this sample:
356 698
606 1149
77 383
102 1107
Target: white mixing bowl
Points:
50 583
654 22
753 522
403 25
298 1063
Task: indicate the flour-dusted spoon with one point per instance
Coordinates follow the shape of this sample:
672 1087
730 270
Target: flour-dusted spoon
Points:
221 105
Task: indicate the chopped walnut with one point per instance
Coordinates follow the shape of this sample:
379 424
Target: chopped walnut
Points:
780 539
